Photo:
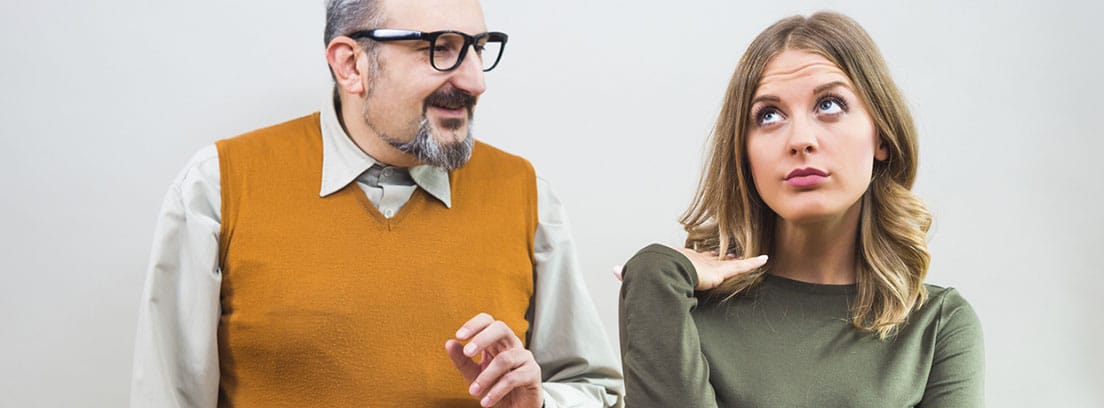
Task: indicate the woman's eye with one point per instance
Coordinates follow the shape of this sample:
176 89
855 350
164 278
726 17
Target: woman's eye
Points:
830 106
769 116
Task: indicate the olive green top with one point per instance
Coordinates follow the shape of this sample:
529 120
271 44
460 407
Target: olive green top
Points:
787 343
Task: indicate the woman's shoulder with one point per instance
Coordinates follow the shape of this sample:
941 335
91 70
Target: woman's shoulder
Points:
945 297
948 308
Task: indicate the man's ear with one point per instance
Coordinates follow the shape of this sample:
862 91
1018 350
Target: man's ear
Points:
342 54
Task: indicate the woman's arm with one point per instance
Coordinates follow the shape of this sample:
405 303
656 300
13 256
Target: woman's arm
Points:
660 344
660 348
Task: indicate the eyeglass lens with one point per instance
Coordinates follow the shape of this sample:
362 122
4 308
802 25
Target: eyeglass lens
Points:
449 46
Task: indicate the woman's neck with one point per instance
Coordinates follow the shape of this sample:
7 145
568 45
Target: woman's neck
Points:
821 251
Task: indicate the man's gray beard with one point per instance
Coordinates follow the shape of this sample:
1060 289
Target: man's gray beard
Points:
427 150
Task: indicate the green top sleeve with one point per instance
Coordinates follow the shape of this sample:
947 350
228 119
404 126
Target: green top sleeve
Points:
957 377
660 348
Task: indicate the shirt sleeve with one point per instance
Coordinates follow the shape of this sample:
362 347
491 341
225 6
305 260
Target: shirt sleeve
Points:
176 347
660 345
578 366
957 377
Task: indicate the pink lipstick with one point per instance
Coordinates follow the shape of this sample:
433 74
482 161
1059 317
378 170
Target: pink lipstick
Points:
806 177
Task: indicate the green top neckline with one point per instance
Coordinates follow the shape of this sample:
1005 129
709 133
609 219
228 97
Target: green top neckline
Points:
806 287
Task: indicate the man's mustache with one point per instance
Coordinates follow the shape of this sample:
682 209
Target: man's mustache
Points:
450 99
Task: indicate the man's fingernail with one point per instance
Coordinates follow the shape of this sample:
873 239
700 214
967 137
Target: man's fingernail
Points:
469 349
462 333
486 402
474 389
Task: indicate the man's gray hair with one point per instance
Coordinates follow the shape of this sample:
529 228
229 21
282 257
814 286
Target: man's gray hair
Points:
345 16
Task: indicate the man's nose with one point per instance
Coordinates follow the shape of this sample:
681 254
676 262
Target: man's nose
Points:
468 77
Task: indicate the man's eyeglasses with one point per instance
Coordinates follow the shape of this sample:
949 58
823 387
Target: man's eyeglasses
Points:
446 48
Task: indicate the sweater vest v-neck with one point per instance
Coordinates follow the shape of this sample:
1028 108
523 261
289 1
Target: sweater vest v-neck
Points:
327 303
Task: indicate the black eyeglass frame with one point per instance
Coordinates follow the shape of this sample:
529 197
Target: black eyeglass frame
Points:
390 34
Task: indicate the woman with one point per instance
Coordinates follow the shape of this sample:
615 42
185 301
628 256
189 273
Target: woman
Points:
819 300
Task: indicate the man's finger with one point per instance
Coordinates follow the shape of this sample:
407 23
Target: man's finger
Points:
494 337
527 374
473 326
468 369
499 366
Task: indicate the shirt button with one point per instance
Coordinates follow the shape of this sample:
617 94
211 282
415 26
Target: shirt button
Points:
388 213
387 172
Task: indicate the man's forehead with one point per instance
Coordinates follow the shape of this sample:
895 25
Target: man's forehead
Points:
435 15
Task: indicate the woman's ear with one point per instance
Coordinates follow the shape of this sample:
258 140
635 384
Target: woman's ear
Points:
882 153
342 54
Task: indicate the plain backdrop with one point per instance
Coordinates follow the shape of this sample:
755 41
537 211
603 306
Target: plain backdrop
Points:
102 103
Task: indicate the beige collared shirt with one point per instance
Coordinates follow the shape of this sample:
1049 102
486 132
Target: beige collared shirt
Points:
176 349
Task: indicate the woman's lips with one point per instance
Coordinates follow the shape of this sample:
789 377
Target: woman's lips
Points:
806 177
805 181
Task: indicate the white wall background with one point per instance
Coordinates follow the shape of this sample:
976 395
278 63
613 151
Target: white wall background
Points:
101 103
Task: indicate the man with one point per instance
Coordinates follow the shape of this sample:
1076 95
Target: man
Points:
325 261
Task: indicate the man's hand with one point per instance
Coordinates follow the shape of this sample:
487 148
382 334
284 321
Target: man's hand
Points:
506 375
712 270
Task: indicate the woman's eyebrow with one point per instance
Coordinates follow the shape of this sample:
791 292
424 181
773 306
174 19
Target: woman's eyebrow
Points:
834 84
765 98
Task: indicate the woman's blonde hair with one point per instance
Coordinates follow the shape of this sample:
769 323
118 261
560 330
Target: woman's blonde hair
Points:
729 216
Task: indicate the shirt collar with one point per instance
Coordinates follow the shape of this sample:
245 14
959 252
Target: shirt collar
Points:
343 161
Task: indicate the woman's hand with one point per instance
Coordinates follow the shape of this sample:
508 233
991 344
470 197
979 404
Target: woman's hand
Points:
712 271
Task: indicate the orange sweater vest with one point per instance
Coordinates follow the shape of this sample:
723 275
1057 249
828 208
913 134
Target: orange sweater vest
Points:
327 303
